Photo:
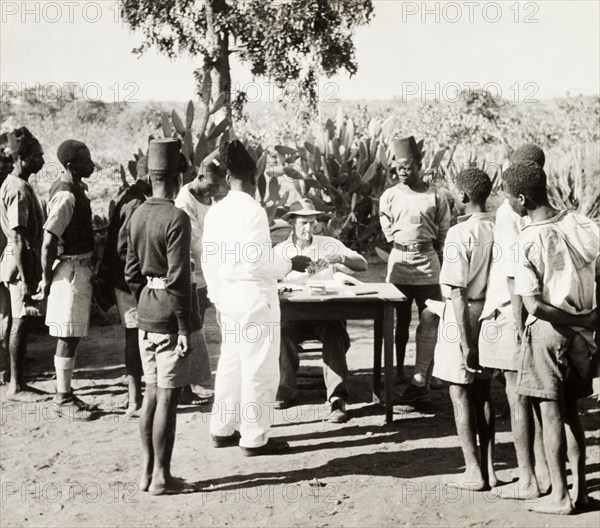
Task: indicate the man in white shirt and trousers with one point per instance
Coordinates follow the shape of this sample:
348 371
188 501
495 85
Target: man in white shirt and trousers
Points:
241 271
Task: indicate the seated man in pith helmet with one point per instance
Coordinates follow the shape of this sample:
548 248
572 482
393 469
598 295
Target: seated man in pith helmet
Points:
327 254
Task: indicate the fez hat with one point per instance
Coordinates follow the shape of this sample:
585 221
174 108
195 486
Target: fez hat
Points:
406 148
303 207
164 155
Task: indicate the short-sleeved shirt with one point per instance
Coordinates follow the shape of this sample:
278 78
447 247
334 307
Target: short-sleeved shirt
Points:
196 211
20 208
407 216
321 247
70 217
468 255
507 228
559 259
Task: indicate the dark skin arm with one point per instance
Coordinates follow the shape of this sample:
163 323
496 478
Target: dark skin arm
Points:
538 308
49 253
460 304
517 306
21 258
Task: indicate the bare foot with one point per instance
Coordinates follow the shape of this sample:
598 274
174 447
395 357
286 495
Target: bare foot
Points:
174 486
26 393
470 480
551 504
519 490
145 481
133 410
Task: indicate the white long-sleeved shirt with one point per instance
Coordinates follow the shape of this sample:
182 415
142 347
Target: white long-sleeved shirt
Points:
240 267
197 212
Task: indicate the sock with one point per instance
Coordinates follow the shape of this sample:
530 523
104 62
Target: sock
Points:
64 372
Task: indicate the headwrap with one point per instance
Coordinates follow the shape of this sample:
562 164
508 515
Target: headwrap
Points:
20 142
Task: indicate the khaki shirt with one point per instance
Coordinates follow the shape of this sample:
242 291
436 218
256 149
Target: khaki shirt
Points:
20 208
468 254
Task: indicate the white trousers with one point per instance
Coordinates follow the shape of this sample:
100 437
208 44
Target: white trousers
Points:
248 375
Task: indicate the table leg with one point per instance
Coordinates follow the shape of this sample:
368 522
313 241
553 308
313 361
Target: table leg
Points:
377 339
388 350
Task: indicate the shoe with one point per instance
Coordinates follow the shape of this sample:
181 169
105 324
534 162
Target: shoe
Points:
226 441
73 408
272 447
337 413
437 384
413 394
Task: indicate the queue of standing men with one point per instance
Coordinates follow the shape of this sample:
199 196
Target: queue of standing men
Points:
171 251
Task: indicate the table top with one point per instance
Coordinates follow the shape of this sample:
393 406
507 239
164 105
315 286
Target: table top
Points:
366 292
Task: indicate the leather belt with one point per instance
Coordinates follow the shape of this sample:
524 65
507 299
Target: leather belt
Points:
414 247
83 260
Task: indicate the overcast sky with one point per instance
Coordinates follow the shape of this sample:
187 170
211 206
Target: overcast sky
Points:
522 50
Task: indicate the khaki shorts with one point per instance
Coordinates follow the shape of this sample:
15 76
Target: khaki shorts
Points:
163 367
70 299
555 363
448 363
127 308
499 344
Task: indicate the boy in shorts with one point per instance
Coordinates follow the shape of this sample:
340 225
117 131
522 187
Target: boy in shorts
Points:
556 267
158 273
463 279
500 343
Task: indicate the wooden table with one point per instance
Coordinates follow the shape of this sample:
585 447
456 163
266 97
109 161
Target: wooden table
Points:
379 307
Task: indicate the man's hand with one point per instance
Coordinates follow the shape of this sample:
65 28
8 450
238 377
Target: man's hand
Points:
183 347
300 263
43 290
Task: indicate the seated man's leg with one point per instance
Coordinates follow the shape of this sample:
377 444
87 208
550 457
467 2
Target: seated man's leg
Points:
292 333
336 342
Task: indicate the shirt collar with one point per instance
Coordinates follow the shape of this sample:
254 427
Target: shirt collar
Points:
239 195
158 201
464 218
290 239
555 218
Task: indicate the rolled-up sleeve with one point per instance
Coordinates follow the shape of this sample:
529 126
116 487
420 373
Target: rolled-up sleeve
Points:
60 213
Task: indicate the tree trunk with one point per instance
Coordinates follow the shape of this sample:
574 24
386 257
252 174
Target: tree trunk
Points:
219 49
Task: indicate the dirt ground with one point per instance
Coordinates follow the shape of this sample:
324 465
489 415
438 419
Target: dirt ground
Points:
363 473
